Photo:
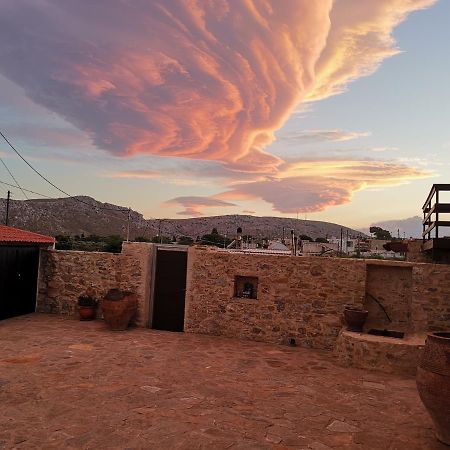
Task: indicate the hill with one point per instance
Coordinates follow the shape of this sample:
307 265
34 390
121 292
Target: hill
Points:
85 215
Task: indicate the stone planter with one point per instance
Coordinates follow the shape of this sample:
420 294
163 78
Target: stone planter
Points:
433 382
118 309
355 318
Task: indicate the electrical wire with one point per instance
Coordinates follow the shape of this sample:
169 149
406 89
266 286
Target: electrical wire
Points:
26 190
125 210
13 177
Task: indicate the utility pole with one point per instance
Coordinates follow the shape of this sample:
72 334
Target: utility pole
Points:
7 207
128 224
159 231
346 244
340 245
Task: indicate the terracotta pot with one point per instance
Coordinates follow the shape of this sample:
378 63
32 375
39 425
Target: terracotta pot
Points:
118 313
87 312
433 382
355 318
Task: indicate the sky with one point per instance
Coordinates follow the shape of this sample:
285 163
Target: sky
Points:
325 110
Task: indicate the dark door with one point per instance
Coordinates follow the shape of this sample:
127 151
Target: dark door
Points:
170 290
18 280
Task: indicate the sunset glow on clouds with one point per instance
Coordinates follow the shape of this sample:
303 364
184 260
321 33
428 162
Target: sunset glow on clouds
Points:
208 80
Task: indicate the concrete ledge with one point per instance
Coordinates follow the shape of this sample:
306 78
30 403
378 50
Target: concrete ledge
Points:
389 355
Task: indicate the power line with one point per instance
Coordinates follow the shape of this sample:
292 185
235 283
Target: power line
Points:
125 210
26 190
31 167
14 178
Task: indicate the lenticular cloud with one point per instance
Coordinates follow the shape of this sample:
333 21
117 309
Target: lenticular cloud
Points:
200 79
203 79
207 79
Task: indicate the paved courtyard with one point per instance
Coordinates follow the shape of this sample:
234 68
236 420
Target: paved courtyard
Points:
71 384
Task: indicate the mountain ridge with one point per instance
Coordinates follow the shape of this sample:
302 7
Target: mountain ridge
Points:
85 215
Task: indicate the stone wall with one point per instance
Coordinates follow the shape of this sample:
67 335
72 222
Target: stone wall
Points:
415 253
430 309
388 355
134 273
65 275
298 298
391 286
303 298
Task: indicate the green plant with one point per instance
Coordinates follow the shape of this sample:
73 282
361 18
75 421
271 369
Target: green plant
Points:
87 301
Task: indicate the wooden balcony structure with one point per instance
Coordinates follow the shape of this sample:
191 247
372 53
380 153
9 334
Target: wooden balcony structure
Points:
433 238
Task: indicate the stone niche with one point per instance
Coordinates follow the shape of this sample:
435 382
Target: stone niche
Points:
391 286
245 287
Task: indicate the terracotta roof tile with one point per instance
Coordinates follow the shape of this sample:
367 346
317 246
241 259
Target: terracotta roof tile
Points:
15 235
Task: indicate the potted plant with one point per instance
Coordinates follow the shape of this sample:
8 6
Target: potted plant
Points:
118 308
87 307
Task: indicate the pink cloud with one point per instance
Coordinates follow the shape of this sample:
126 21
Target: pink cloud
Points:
168 77
192 204
312 186
312 136
145 174
208 80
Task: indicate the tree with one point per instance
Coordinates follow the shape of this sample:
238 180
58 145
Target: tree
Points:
185 240
215 239
305 237
113 244
322 240
380 233
141 239
161 240
64 243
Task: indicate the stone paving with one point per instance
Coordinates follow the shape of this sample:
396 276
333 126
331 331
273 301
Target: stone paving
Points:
70 384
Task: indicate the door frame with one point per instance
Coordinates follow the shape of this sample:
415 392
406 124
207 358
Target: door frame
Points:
154 262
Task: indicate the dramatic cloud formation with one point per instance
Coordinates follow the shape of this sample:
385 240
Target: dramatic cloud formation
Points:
311 186
311 136
193 205
210 79
360 38
146 174
203 79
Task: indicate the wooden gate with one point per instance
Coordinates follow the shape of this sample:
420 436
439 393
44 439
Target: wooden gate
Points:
170 289
18 280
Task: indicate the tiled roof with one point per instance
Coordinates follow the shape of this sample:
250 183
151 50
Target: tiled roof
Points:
14 235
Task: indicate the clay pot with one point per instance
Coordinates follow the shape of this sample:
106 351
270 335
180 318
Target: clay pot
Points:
118 313
433 382
87 312
355 318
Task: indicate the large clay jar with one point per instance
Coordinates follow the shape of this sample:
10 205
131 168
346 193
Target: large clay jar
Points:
433 382
118 309
355 318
